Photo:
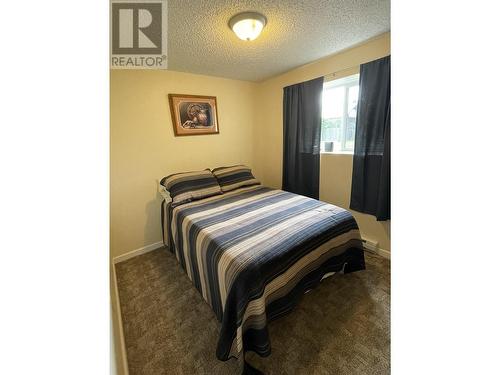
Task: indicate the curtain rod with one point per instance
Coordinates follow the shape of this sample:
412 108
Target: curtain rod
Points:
334 74
358 67
329 76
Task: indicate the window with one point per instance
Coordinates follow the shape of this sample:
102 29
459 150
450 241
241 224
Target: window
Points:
338 124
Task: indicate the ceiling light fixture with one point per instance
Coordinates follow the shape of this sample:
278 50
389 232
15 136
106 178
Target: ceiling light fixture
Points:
247 25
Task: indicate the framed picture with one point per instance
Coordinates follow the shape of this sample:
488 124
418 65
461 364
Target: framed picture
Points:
193 114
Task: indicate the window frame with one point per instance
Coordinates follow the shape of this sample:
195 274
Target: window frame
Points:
347 83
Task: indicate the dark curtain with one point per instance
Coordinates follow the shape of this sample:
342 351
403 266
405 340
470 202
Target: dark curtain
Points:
371 171
301 137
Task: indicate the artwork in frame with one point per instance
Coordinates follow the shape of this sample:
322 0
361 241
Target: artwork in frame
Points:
193 114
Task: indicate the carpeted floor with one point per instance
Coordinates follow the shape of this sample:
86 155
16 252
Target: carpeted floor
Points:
341 327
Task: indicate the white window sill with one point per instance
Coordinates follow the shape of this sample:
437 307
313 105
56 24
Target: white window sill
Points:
337 153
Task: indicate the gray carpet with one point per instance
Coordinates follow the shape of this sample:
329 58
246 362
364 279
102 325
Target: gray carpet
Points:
341 327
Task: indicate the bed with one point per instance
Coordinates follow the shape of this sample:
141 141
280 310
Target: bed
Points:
254 251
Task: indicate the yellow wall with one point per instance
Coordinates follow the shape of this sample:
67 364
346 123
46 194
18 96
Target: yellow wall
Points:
143 147
335 181
335 187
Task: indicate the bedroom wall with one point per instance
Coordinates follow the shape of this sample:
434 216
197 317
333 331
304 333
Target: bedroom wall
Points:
143 146
336 169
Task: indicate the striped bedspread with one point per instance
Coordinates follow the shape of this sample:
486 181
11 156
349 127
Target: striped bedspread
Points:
254 251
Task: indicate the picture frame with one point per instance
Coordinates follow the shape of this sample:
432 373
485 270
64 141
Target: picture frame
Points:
193 114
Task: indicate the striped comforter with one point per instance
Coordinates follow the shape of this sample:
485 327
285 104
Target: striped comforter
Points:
254 251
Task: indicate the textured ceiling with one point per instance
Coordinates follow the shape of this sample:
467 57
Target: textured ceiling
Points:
297 32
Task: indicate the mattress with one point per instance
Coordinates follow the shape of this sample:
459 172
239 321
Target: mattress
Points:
252 253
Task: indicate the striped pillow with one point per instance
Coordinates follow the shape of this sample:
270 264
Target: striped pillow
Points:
189 186
231 178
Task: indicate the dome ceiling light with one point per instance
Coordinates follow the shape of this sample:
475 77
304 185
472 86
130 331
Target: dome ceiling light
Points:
247 25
